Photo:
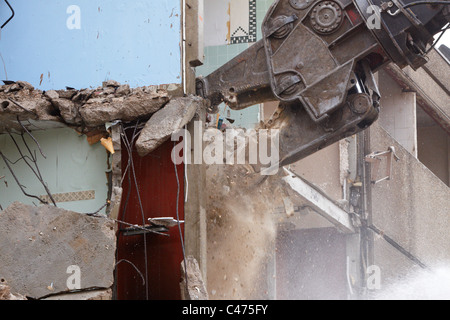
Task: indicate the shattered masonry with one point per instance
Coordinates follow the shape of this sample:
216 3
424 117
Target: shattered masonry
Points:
85 110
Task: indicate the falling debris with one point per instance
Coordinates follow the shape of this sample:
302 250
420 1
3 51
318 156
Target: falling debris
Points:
173 117
241 231
289 206
108 144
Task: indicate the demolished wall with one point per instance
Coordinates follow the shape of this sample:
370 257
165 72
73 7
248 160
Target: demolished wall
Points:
36 236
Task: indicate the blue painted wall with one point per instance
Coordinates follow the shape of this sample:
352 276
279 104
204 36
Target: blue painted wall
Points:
135 42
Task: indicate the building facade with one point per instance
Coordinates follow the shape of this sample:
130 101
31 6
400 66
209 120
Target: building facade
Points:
92 93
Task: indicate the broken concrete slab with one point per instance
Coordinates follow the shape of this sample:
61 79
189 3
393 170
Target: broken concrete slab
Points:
195 289
85 109
25 85
97 112
123 90
52 94
42 246
68 111
173 117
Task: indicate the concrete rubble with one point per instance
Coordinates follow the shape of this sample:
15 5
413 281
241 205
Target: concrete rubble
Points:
41 246
84 110
88 110
5 292
173 117
195 289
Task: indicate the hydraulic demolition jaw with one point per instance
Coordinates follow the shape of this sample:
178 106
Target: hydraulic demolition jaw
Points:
317 57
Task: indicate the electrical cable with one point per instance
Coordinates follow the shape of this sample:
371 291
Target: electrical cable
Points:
179 224
128 146
142 211
12 16
439 38
411 4
408 5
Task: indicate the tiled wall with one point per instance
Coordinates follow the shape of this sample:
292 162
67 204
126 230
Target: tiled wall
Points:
216 56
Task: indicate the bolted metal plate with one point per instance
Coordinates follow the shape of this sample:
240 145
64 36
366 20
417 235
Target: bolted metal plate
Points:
326 17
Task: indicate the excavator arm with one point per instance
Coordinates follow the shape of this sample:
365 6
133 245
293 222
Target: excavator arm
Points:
317 57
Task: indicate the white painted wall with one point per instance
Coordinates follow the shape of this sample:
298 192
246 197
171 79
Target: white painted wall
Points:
216 22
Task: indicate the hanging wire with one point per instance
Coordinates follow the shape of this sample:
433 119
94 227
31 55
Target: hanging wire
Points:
12 16
405 6
439 38
129 147
130 171
179 224
425 2
31 161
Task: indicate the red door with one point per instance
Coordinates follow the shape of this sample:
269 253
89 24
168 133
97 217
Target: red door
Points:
150 257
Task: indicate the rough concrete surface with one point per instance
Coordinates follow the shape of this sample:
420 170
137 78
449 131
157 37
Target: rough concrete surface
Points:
39 244
83 109
412 208
98 111
195 289
173 117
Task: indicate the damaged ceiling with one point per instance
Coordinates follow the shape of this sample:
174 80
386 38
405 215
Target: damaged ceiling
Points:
85 110
24 108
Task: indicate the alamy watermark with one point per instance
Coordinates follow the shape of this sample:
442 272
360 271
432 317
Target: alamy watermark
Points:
374 18
74 280
373 277
231 146
73 22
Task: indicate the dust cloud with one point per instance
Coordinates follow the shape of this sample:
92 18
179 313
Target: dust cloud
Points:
426 284
241 232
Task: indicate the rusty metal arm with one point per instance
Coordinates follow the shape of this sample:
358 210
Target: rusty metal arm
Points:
240 83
